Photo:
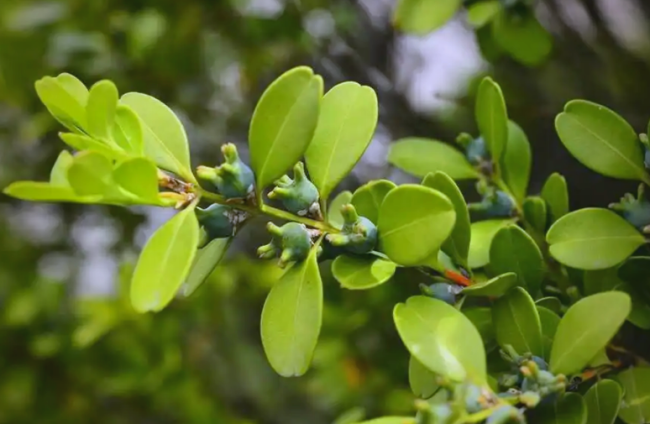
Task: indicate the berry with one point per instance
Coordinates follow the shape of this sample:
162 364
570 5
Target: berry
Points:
476 151
442 291
299 196
292 241
217 221
358 235
233 179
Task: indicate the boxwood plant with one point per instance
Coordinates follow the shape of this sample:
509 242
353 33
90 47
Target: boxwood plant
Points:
520 300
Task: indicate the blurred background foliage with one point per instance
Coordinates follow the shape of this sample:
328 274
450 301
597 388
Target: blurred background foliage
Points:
72 350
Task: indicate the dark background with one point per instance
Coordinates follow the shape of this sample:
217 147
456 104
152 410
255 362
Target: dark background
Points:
201 361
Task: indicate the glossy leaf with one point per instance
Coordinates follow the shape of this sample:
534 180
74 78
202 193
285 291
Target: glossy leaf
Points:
81 142
635 408
592 238
420 156
360 273
601 140
482 234
570 409
517 322
100 109
368 198
556 195
291 318
165 262
283 123
127 131
492 117
334 216
516 162
205 262
347 122
586 328
422 381
163 134
479 14
603 400
59 172
457 245
494 287
138 176
549 320
414 221
535 213
64 99
443 339
513 250
90 174
46 192
422 16
522 37
481 317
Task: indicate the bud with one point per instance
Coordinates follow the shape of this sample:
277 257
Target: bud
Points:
218 221
299 196
292 242
358 235
232 179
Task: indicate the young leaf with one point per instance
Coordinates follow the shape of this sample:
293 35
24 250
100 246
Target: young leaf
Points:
100 109
205 262
556 194
603 400
492 117
291 318
601 140
138 176
443 339
494 287
422 381
420 156
127 131
46 192
535 213
550 320
90 174
586 328
347 122
368 198
522 37
513 250
569 409
482 234
84 143
635 408
481 13
283 123
517 322
516 162
414 221
64 99
165 262
334 216
457 245
163 134
423 16
592 238
482 319
360 273
59 172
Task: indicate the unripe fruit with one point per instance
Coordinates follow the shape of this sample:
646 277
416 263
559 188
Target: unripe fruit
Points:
358 235
476 151
216 220
505 414
299 196
233 179
442 291
293 240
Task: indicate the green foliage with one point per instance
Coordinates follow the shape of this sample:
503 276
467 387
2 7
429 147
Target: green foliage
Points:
517 322
513 250
492 118
360 273
603 401
419 157
635 408
368 198
423 16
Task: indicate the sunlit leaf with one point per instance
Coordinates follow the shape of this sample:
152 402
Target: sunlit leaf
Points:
492 117
482 234
422 381
334 216
420 156
368 198
59 172
522 37
360 273
205 262
516 161
494 287
90 174
100 109
422 16
517 322
556 194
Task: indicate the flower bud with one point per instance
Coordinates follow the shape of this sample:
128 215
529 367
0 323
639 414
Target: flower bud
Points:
232 179
292 242
299 196
358 235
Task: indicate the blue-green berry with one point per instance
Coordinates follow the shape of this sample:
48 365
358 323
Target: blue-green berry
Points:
233 179
506 414
358 235
476 151
292 241
217 221
474 399
442 291
299 196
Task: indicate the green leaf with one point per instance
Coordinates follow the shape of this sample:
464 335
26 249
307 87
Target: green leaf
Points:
479 14
414 221
586 328
522 37
549 320
636 270
513 250
361 273
516 162
551 303
601 140
640 314
517 322
482 319
283 123
420 156
127 131
334 216
492 117
443 339
592 238
368 198
100 109
482 234
635 408
291 318
494 287
59 172
570 409
599 281
205 262
46 192
391 420
423 16
347 122
603 400
535 213
163 134
138 176
457 245
90 174
422 381
165 262
64 99
82 143
556 194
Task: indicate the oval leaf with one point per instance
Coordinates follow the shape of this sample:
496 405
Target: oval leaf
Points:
482 320
522 37
635 408
422 381
59 172
138 176
495 287
535 213
592 238
291 318
368 198
347 122
556 195
492 117
334 216
423 16
46 192
443 339
205 262
414 221
552 303
283 123
479 14
601 140
90 174
360 273
550 320
100 109
603 400
586 328
165 262
482 234
64 99
517 322
127 130
420 156
570 409
516 162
